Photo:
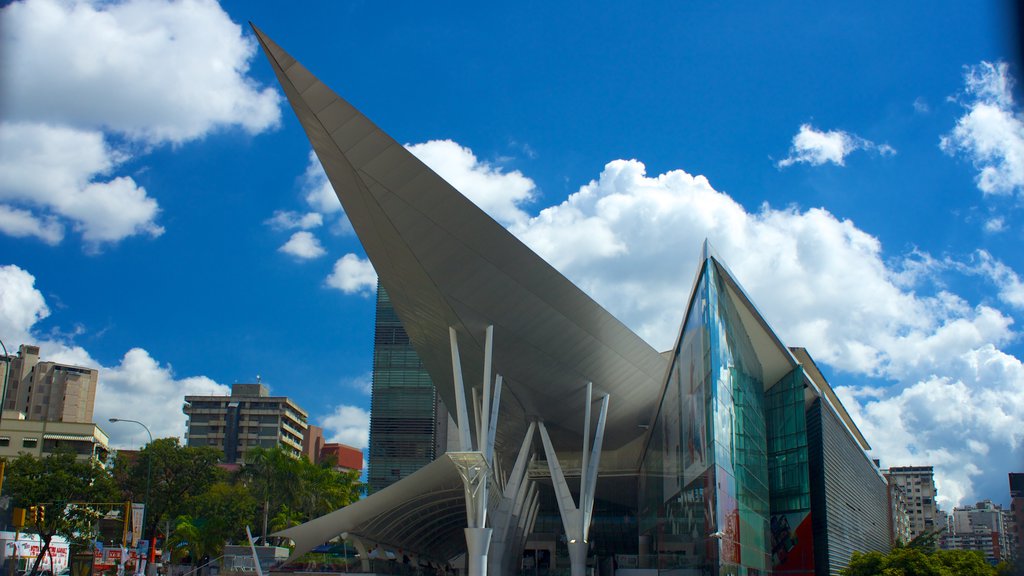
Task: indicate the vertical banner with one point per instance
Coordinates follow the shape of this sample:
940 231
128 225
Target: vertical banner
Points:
138 511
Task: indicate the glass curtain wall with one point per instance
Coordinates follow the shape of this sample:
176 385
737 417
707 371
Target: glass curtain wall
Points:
704 505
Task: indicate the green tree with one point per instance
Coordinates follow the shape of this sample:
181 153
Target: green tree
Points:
62 484
909 561
272 475
179 473
322 489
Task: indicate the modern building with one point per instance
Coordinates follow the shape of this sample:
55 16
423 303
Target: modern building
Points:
918 486
19 435
408 420
48 390
249 417
728 454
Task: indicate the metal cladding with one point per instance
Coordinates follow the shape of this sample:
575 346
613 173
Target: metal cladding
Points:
444 262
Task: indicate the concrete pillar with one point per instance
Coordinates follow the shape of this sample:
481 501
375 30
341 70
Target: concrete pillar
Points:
478 541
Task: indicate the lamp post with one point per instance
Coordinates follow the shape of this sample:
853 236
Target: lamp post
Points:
145 510
7 374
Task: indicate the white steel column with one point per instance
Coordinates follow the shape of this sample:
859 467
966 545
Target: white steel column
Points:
501 520
576 519
475 464
465 443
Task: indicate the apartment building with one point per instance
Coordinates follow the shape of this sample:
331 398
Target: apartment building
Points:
249 417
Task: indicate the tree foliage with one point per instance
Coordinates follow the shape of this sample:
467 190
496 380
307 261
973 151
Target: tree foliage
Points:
179 473
63 485
204 505
913 561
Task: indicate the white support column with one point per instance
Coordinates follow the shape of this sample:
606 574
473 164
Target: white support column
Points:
504 538
465 444
364 553
476 466
484 424
576 519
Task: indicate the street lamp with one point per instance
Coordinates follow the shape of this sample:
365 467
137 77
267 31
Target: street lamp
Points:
145 509
7 373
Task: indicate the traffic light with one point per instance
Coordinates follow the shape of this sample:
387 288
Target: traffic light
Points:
18 518
41 512
33 514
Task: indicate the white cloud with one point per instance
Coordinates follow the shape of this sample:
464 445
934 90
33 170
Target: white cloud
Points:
287 220
56 170
966 423
348 425
353 275
991 133
995 225
22 223
154 70
77 74
632 242
362 383
21 306
303 245
139 387
500 194
816 147
1006 280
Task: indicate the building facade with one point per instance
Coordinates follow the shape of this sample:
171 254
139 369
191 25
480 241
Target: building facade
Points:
408 420
752 466
19 435
1017 514
346 458
249 417
48 390
899 514
918 486
979 527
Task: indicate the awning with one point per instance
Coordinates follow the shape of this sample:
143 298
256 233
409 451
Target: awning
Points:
71 437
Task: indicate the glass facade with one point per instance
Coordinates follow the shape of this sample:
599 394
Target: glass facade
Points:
705 505
408 422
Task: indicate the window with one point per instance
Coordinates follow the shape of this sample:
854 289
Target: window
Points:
5 441
29 442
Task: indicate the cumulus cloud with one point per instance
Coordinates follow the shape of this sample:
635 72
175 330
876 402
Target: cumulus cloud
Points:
154 70
965 422
991 132
303 245
141 388
498 193
347 425
138 387
22 223
79 75
21 305
57 171
632 241
353 275
816 147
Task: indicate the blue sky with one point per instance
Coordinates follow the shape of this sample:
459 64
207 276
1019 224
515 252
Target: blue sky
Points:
860 169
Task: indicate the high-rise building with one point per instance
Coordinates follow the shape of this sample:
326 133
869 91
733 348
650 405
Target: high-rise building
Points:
408 420
48 390
899 514
249 417
313 443
918 485
979 527
1017 513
